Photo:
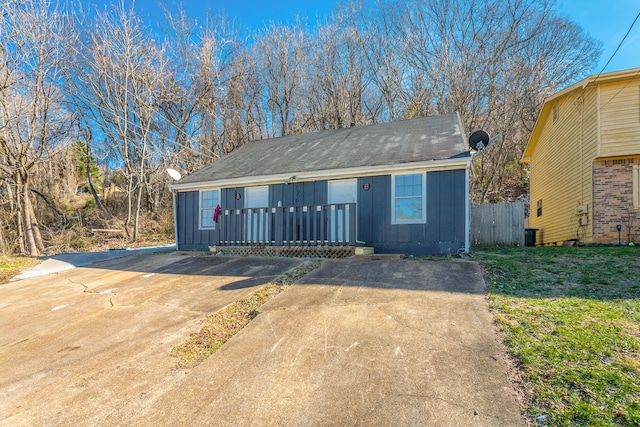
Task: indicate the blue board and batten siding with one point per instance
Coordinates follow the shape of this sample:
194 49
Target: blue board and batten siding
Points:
444 230
443 233
299 194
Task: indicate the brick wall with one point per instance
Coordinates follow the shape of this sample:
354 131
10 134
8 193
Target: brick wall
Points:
613 201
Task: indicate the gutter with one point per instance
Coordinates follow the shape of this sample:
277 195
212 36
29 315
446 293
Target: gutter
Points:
355 172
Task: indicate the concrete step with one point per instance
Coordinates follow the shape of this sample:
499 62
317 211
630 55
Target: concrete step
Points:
363 250
379 257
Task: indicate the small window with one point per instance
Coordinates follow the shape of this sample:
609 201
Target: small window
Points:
208 202
408 199
636 186
539 208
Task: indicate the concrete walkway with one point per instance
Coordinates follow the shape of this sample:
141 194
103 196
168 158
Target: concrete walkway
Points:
68 261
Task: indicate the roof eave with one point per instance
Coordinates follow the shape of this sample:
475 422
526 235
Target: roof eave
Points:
544 111
582 84
355 172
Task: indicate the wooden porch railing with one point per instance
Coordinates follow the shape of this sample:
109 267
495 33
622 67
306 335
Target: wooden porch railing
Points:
314 225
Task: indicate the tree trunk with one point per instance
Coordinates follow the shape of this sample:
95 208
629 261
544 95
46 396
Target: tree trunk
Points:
104 210
65 220
3 239
130 188
35 227
28 222
136 217
20 229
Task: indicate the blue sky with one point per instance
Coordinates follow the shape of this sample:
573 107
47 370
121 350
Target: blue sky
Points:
605 20
608 21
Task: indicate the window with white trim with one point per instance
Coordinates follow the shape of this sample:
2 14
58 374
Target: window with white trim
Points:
636 186
408 199
208 201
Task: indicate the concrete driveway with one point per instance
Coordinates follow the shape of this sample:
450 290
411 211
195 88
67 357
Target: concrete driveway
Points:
354 343
90 346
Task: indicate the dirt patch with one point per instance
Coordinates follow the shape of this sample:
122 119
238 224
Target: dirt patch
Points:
221 326
224 324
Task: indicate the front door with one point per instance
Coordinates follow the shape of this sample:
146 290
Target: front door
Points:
341 191
257 227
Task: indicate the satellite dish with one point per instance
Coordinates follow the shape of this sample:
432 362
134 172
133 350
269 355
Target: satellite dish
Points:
174 174
479 140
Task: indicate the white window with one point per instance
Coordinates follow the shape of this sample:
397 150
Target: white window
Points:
208 201
636 186
408 199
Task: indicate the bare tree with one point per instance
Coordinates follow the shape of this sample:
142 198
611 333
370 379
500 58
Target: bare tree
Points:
340 90
382 50
32 117
279 52
493 62
242 117
199 58
116 82
205 90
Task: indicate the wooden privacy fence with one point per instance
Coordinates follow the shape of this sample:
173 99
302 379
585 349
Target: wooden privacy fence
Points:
498 224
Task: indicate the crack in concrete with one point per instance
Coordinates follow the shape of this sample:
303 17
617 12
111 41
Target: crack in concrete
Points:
87 291
72 282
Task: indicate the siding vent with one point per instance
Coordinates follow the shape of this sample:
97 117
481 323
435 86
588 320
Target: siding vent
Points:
556 112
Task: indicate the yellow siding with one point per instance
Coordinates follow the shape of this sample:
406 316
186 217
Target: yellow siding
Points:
619 118
589 153
561 169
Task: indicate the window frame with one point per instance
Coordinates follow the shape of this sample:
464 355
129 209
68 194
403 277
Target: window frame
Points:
539 208
201 209
423 219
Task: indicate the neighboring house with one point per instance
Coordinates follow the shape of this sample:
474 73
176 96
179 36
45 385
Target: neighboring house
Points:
584 153
399 187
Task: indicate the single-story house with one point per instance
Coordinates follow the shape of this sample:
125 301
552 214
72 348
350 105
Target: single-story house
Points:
398 187
584 156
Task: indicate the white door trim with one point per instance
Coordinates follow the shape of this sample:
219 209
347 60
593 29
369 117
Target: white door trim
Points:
353 198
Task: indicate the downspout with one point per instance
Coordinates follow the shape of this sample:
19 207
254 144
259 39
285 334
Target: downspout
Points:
175 215
467 208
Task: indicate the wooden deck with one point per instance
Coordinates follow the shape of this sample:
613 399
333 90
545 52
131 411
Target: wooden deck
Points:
304 226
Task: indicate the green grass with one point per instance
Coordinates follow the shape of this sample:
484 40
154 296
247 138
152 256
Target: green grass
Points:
11 266
571 318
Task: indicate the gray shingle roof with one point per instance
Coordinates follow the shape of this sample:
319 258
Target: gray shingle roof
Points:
406 141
